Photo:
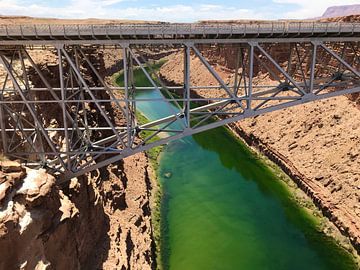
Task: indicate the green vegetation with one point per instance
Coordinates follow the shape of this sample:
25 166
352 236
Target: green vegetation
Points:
153 156
139 77
153 153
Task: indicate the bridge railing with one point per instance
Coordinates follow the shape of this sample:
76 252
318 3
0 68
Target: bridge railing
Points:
71 31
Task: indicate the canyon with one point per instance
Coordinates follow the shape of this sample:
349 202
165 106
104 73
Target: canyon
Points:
103 220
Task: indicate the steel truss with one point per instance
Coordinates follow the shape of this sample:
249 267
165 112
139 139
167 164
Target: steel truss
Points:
77 124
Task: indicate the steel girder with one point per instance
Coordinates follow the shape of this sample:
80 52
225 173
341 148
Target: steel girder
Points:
72 122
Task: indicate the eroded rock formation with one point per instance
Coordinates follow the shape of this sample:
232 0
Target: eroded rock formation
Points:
42 225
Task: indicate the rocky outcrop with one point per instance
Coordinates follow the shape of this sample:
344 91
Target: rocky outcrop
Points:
339 11
102 221
125 188
44 227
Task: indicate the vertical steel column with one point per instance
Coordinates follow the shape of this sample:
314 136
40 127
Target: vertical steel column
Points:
243 72
2 124
63 99
2 116
127 103
251 74
82 96
30 95
312 69
132 92
187 83
288 70
237 71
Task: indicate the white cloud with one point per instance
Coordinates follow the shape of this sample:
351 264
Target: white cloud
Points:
311 8
110 2
189 13
173 13
105 9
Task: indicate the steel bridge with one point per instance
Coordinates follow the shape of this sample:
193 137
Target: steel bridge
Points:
56 117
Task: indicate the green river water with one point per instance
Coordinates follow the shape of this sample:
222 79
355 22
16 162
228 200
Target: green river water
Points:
222 208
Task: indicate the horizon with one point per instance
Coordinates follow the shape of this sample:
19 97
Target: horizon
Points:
178 11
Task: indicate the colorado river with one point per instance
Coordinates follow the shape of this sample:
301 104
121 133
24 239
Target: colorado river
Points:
224 209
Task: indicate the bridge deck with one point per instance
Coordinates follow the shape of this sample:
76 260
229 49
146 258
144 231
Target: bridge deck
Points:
29 34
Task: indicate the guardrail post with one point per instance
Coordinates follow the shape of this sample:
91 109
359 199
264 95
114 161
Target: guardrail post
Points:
92 32
120 30
7 32
21 31
50 33
78 30
313 28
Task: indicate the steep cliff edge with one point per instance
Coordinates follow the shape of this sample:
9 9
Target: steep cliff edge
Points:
44 227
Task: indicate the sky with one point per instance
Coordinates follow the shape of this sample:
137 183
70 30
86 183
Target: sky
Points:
171 10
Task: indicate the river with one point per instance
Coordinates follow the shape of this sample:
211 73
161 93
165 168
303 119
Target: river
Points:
222 208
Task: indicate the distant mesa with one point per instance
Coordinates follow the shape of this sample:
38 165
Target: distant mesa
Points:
339 11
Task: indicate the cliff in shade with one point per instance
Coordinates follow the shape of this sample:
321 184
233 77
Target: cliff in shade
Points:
341 11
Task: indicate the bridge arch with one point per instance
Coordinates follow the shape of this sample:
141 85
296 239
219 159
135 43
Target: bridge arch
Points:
91 123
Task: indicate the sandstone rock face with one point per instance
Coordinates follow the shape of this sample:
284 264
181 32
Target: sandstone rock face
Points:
125 188
102 221
41 226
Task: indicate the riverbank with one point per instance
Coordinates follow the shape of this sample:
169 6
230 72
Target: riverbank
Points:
153 156
299 188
